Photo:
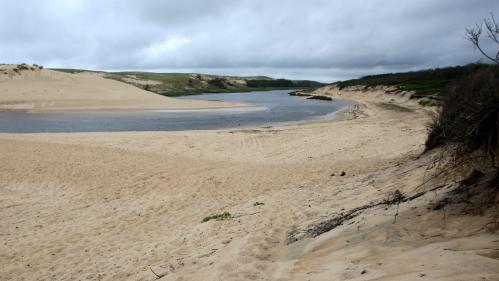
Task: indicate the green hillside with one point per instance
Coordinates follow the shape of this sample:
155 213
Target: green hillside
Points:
179 84
424 83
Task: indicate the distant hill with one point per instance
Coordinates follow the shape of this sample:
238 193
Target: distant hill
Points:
179 84
424 83
33 88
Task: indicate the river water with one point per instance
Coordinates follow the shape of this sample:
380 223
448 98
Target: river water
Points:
270 108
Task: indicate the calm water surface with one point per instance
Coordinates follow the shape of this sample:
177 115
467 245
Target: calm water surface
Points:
271 108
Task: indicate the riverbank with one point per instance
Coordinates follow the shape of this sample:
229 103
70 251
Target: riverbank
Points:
130 206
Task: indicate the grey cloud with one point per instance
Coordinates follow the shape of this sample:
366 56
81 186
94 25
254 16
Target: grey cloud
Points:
325 40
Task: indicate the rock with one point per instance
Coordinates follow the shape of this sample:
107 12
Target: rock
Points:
343 174
363 272
317 97
332 175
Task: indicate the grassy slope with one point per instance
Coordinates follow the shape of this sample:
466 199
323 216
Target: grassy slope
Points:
179 84
431 82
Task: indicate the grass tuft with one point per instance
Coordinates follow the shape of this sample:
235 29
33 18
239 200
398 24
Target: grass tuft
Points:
218 217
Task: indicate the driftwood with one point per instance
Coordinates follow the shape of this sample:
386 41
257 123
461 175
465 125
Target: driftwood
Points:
315 230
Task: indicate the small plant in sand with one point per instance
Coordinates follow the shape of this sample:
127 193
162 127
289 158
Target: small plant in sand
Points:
218 217
429 102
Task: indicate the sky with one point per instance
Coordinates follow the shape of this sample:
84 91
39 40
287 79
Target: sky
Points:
323 40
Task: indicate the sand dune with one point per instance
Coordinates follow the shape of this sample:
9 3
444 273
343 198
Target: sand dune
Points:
118 206
48 90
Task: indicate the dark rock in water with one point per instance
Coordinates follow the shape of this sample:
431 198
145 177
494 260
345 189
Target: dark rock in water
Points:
320 98
299 94
333 174
343 174
363 271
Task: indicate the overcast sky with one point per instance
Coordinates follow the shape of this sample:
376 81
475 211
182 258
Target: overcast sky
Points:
325 40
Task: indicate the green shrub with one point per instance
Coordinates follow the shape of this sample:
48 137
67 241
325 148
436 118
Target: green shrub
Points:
469 118
218 217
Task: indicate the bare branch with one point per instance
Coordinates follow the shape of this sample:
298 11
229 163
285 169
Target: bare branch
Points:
473 34
492 29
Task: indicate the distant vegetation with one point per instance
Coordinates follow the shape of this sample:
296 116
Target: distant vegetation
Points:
424 83
180 84
70 70
281 83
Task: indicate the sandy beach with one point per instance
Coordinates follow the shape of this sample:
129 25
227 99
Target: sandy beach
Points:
249 140
129 206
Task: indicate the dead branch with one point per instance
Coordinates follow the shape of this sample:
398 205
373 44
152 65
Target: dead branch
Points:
492 29
317 229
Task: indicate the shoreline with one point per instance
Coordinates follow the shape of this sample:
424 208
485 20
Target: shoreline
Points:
234 106
28 109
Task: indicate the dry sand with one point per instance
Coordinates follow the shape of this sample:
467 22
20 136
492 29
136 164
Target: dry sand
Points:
48 90
113 206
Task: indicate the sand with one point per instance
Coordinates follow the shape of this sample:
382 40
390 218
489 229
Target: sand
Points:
118 206
49 90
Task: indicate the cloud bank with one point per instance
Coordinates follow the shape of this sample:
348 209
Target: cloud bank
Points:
314 39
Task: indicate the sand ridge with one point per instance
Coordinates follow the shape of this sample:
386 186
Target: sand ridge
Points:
49 90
